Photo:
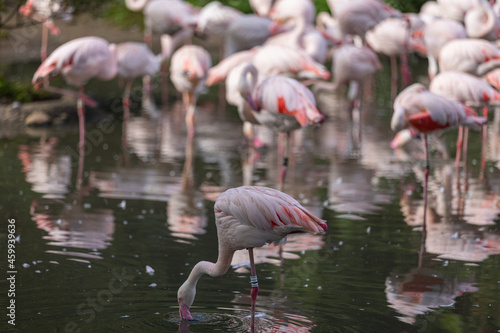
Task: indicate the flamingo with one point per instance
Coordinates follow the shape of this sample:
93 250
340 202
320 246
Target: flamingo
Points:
188 70
214 20
356 17
247 32
304 35
474 56
435 35
173 18
136 60
44 11
248 217
78 60
467 89
392 38
262 7
271 60
456 9
351 66
482 22
279 103
425 112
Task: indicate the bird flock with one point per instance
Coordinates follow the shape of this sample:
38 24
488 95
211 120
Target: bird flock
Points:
272 61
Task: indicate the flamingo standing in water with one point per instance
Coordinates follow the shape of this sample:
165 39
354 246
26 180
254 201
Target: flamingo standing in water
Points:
426 112
188 70
78 60
248 217
280 103
467 89
44 11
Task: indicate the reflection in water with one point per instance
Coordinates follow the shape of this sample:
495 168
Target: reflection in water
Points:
295 243
423 290
186 212
73 227
456 227
46 169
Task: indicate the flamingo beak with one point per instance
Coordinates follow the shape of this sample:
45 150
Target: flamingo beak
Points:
184 311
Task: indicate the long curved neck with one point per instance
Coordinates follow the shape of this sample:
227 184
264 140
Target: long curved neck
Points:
298 29
246 86
213 269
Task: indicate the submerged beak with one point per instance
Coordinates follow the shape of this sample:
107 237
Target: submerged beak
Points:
184 311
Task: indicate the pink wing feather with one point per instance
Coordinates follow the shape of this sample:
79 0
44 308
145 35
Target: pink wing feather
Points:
268 209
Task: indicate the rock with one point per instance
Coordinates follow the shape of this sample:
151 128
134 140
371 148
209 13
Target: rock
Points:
37 118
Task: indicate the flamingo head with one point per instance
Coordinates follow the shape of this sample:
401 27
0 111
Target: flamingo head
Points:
185 297
403 137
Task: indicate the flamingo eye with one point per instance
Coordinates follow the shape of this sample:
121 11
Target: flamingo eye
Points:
185 73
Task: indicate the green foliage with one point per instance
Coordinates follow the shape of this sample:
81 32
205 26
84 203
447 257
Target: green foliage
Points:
116 13
20 91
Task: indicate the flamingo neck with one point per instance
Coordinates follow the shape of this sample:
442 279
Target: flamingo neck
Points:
219 268
298 30
110 72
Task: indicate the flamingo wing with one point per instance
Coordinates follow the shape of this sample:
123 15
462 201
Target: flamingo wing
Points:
268 210
288 97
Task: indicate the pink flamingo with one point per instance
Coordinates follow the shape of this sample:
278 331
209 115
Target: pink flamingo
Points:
474 56
165 17
262 7
248 217
467 89
214 20
279 103
392 37
271 60
303 35
78 60
456 9
44 11
482 22
425 112
435 35
356 17
247 32
136 60
188 71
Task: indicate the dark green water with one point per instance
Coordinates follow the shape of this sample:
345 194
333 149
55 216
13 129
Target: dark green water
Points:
109 256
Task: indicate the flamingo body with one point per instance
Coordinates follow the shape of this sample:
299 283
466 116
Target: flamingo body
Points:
248 217
463 88
474 56
427 112
79 60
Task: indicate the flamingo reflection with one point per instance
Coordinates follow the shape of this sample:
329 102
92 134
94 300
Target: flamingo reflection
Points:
72 225
186 210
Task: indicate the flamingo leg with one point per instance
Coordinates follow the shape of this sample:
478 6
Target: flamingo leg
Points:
286 153
45 37
87 100
191 105
426 179
405 70
126 112
255 287
459 153
81 143
394 76
483 144
126 94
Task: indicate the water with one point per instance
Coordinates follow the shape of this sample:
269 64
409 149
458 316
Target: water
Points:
109 256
